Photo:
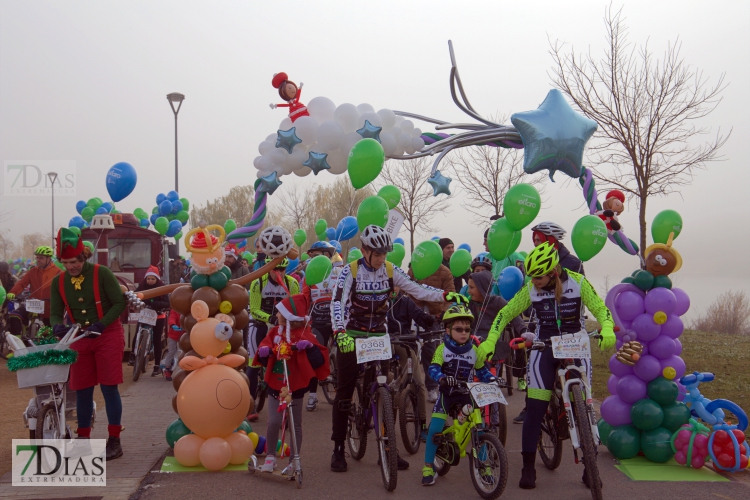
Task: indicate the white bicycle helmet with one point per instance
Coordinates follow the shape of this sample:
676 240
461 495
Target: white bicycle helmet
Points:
550 229
376 238
275 241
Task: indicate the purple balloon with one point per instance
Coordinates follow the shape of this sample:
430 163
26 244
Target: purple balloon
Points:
615 411
629 305
627 338
618 344
630 389
677 347
660 299
612 384
647 368
644 352
681 391
619 369
662 347
683 301
625 325
646 328
675 362
673 327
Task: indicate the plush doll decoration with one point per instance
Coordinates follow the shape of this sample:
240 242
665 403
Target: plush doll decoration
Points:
613 206
289 92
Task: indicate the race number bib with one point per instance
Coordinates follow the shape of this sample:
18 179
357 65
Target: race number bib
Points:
576 346
147 317
485 394
35 306
373 349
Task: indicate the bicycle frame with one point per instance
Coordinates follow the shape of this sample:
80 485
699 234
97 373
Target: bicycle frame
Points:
462 432
379 380
566 385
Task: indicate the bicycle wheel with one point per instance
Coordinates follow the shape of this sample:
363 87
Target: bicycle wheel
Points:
260 400
583 425
49 423
386 436
441 466
356 433
550 444
4 345
139 366
329 385
496 421
408 420
489 466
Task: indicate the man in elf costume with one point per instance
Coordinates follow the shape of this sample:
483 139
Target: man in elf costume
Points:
91 296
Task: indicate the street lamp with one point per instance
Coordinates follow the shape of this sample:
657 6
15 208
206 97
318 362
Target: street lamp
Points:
52 178
175 98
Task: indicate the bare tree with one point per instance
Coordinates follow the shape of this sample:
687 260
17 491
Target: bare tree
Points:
418 204
485 174
729 313
295 206
8 248
29 243
646 109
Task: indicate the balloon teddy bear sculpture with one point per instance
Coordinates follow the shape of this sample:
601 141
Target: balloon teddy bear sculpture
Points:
214 398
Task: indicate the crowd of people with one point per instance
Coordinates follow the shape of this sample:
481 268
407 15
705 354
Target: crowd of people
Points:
369 297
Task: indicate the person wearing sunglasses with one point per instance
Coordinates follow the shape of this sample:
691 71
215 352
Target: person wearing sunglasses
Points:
557 296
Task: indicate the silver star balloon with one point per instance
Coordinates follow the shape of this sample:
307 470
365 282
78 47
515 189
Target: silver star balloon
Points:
370 131
439 183
269 183
317 162
287 139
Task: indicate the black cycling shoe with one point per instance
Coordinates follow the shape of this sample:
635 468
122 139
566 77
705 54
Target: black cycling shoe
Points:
114 449
585 479
338 460
157 371
402 464
528 478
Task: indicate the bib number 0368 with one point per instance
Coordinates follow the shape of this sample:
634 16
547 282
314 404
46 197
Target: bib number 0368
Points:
373 349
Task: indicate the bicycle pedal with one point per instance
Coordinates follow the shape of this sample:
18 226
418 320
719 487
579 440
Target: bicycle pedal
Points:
438 438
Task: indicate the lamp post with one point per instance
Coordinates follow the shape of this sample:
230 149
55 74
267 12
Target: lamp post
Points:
175 98
52 178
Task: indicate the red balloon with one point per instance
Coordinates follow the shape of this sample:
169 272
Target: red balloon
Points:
739 435
721 438
717 449
743 462
725 460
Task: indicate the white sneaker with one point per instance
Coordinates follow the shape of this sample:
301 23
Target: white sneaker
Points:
432 395
312 402
288 470
269 465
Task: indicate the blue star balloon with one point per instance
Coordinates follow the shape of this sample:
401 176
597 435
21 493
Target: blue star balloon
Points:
317 162
370 131
287 139
554 136
269 183
439 183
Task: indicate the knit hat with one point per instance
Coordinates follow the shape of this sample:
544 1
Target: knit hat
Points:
616 193
152 271
278 79
294 308
444 242
231 249
69 244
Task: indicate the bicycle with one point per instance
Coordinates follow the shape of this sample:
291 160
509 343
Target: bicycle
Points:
577 421
25 318
144 346
373 409
467 435
329 384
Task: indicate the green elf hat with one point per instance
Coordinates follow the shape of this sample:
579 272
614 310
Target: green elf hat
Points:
69 244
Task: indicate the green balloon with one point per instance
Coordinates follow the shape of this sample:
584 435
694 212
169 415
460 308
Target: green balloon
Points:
76 230
320 227
181 216
305 256
199 281
372 210
643 280
675 416
161 225
426 259
665 222
365 162
87 213
94 203
60 265
89 245
116 212
521 205
140 214
185 204
396 257
170 217
175 431
247 256
656 445
154 210
604 430
300 237
502 240
523 254
589 236
391 195
178 236
355 254
230 226
3 294
317 270
662 282
245 426
629 280
663 391
624 442
218 281
460 262
646 414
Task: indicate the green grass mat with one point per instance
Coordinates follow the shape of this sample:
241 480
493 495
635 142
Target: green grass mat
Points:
642 469
171 464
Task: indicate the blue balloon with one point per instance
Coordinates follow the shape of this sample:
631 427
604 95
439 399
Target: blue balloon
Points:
107 206
153 218
80 206
242 244
145 223
187 262
77 221
464 246
510 282
165 208
554 136
160 198
347 228
336 245
399 240
293 264
175 227
173 196
435 238
121 180
331 234
176 206
101 211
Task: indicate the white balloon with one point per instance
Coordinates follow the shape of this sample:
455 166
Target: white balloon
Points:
399 120
266 147
298 156
286 124
262 173
338 162
416 132
407 126
417 143
404 140
330 135
371 117
346 116
365 108
387 118
257 162
349 141
409 149
306 127
286 169
302 172
263 163
278 156
389 143
321 108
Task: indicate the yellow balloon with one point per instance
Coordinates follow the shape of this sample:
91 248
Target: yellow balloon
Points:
669 373
254 438
660 317
228 348
225 307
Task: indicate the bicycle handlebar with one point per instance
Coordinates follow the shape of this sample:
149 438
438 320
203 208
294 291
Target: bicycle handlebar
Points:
538 345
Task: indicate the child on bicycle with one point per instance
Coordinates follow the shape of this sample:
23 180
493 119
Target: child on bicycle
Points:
306 359
455 361
174 332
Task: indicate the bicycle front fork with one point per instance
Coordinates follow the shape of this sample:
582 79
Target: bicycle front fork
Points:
575 384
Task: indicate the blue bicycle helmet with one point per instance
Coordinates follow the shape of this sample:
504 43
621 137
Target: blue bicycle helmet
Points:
322 246
483 259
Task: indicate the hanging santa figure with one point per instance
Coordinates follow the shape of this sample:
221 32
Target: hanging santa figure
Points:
613 206
289 92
